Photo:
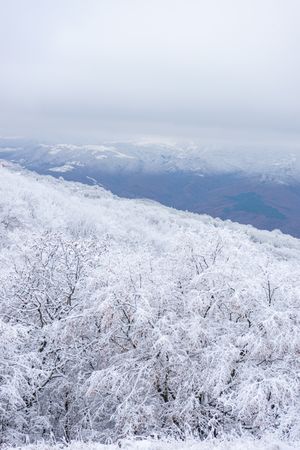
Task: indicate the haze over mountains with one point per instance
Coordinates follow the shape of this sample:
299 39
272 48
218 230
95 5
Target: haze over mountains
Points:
258 185
150 225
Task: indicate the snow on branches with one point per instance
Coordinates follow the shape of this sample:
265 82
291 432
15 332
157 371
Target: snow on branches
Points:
121 318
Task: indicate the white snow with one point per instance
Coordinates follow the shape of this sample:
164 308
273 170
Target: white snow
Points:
126 318
267 443
62 169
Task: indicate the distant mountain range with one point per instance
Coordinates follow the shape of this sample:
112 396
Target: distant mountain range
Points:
258 186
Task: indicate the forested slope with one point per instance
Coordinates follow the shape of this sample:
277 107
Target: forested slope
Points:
126 318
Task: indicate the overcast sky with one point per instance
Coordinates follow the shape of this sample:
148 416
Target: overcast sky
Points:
93 69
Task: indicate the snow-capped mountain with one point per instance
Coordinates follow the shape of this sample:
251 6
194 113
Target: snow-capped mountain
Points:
281 164
127 318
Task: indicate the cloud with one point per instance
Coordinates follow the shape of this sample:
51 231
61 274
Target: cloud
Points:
139 66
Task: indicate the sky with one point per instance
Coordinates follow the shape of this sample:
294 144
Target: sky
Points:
86 70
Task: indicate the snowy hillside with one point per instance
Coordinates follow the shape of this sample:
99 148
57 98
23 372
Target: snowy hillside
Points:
258 185
123 318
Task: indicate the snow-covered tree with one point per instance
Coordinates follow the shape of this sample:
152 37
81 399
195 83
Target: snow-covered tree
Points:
122 318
